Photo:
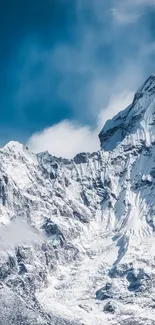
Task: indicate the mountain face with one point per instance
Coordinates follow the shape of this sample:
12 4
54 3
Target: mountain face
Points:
77 237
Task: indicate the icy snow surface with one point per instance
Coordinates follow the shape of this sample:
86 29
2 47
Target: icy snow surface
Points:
77 237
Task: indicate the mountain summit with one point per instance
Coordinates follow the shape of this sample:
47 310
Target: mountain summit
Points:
77 237
135 123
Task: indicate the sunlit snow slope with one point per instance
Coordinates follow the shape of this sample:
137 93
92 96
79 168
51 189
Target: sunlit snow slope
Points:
77 237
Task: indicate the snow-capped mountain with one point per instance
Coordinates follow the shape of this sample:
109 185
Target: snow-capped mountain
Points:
77 237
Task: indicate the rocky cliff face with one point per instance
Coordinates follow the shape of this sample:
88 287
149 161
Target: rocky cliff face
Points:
77 237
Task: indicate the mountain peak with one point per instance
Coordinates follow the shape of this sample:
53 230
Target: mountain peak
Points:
135 122
15 150
148 87
13 145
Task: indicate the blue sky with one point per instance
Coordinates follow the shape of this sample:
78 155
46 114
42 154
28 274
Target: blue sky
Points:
68 65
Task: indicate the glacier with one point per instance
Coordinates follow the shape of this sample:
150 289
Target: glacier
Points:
77 236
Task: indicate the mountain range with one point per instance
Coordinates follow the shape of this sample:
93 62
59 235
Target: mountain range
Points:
77 236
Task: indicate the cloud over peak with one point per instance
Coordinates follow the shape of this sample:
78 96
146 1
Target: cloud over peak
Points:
64 139
67 138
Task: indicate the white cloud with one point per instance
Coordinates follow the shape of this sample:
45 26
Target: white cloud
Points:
66 138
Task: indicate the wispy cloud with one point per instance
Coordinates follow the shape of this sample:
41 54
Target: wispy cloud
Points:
129 12
74 75
116 104
125 17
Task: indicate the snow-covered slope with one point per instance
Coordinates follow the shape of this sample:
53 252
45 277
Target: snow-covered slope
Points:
77 237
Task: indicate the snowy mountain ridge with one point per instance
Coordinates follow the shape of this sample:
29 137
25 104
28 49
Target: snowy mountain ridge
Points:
81 233
136 121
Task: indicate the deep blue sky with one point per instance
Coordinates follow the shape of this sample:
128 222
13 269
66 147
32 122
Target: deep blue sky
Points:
64 59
